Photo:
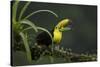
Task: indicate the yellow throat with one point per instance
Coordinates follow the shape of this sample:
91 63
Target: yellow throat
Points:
57 36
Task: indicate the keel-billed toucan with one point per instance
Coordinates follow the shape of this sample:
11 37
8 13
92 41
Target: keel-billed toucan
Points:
43 39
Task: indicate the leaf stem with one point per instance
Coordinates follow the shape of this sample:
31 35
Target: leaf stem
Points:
23 10
38 11
14 11
25 41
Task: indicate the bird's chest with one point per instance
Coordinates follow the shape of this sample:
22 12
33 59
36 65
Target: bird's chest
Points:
57 37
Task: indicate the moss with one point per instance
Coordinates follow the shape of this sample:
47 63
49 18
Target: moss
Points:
66 55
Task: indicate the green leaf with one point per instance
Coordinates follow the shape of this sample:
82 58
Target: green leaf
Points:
38 11
31 24
14 11
23 10
25 41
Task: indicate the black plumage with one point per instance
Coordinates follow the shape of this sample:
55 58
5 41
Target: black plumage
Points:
44 39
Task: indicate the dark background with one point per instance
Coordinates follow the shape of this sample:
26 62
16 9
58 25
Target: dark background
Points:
83 36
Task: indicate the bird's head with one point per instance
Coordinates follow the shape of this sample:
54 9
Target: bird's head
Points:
64 25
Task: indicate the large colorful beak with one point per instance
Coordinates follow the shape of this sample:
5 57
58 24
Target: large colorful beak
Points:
67 26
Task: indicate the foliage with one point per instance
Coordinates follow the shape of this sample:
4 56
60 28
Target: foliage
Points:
22 40
67 55
19 29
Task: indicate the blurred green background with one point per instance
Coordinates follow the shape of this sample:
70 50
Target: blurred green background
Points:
83 36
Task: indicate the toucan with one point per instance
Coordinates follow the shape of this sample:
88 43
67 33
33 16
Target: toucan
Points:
44 41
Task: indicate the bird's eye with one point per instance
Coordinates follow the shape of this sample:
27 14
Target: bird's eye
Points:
70 22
